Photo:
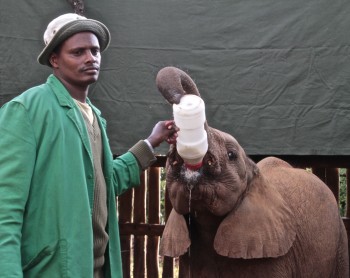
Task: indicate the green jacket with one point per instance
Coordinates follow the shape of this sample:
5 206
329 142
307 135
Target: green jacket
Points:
46 186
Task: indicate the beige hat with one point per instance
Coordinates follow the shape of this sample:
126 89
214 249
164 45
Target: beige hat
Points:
65 26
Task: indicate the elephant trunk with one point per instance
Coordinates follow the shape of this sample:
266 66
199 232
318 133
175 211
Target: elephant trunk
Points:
174 83
189 114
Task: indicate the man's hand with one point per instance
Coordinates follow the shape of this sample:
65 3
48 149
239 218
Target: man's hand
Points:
163 131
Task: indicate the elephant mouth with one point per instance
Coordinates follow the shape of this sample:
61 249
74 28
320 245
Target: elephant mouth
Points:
208 169
189 176
194 167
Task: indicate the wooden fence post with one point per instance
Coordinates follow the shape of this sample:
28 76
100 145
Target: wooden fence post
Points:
168 262
140 217
153 218
125 209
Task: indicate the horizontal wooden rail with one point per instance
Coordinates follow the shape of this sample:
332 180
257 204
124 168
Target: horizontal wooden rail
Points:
141 229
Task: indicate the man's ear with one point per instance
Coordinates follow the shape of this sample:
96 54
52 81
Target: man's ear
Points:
53 60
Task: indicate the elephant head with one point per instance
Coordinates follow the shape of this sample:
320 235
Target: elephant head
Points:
225 196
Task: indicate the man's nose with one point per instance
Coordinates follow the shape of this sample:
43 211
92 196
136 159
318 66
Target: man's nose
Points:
90 56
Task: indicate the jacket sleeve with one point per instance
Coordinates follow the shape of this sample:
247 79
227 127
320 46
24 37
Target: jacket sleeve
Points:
17 159
127 167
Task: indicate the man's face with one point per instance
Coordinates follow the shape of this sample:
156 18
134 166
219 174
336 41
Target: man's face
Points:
77 60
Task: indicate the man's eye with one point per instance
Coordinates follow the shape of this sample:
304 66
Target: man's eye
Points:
95 52
77 52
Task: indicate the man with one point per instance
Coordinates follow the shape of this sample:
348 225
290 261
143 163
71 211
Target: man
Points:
58 180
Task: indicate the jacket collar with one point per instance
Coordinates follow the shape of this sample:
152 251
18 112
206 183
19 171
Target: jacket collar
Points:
63 96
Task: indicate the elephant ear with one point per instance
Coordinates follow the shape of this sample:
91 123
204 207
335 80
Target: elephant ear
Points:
262 226
175 240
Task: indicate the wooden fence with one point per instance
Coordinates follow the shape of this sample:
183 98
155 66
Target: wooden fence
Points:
140 214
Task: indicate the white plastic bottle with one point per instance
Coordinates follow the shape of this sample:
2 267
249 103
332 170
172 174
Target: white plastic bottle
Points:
189 116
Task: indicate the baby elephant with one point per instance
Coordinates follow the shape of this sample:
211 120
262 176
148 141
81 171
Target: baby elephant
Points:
234 218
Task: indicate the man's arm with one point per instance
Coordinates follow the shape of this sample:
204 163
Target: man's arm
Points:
17 159
127 167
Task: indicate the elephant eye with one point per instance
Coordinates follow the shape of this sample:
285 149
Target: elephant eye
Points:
232 155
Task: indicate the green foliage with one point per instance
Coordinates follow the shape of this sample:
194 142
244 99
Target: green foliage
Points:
162 196
342 191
